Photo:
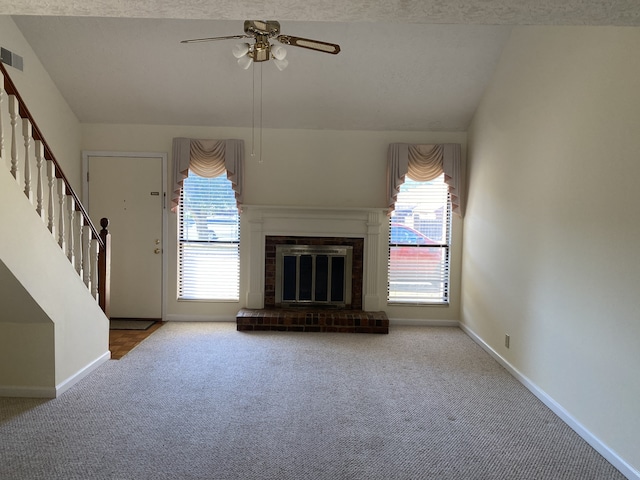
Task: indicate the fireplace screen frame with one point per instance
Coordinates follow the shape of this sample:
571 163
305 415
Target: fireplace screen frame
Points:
298 251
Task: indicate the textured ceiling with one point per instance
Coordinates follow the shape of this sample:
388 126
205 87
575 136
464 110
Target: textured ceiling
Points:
484 12
404 65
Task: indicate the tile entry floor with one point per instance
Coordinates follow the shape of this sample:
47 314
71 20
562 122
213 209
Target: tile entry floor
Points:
122 342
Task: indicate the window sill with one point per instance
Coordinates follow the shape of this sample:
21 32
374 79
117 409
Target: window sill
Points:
418 304
207 300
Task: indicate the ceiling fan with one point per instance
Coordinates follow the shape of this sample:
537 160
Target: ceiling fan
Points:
262 31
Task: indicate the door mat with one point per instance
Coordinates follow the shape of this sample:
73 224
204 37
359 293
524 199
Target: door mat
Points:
130 324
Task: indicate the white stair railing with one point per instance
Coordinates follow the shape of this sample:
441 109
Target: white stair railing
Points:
86 249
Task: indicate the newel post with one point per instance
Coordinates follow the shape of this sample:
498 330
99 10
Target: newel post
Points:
104 269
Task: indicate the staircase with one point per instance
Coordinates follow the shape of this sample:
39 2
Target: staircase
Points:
54 265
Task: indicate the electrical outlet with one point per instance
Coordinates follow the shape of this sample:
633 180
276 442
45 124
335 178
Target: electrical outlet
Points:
507 339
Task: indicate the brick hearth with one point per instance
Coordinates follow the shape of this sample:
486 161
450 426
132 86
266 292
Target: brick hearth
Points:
312 320
351 319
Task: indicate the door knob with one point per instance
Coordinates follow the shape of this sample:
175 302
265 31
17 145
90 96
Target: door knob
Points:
157 251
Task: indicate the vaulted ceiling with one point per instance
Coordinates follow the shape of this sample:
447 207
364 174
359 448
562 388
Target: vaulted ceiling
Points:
404 65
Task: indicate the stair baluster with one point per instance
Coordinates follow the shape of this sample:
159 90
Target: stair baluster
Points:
26 134
51 206
61 222
95 252
78 226
71 209
86 252
39 152
13 114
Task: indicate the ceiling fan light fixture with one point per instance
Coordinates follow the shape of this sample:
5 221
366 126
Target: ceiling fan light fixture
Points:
262 31
278 52
240 50
245 62
281 64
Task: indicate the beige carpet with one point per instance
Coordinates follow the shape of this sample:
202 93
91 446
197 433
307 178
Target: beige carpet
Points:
203 401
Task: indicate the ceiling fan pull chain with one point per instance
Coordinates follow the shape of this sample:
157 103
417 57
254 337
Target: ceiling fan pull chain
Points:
253 110
260 145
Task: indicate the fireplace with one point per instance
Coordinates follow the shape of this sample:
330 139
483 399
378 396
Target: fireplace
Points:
294 300
308 275
291 279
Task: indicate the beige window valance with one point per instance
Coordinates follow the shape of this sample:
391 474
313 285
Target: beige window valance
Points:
207 158
423 163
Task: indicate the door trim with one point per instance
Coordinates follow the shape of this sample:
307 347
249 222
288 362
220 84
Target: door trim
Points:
86 154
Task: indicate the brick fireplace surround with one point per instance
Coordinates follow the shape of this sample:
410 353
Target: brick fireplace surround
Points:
350 319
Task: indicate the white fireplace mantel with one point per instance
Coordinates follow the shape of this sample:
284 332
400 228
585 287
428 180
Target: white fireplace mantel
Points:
263 221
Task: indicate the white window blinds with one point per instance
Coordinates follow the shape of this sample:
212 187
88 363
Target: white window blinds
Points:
209 240
419 242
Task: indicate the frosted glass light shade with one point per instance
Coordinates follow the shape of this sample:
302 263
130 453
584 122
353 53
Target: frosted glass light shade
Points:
278 52
240 50
281 64
245 62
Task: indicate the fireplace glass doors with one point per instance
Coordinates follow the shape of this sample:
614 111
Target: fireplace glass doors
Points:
313 275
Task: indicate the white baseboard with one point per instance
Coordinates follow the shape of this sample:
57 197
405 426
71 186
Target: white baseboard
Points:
27 392
83 372
392 321
612 457
423 323
53 392
200 318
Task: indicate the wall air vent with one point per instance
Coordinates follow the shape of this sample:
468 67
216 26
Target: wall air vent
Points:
12 59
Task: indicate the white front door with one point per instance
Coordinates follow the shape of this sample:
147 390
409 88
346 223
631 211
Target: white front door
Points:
129 192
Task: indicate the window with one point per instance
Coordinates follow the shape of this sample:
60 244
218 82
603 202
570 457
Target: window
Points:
209 240
419 241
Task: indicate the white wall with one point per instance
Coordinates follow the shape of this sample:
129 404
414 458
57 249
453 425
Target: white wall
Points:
552 226
46 308
27 354
56 121
316 168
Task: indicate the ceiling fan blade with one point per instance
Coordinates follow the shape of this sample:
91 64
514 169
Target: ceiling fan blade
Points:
212 39
325 47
